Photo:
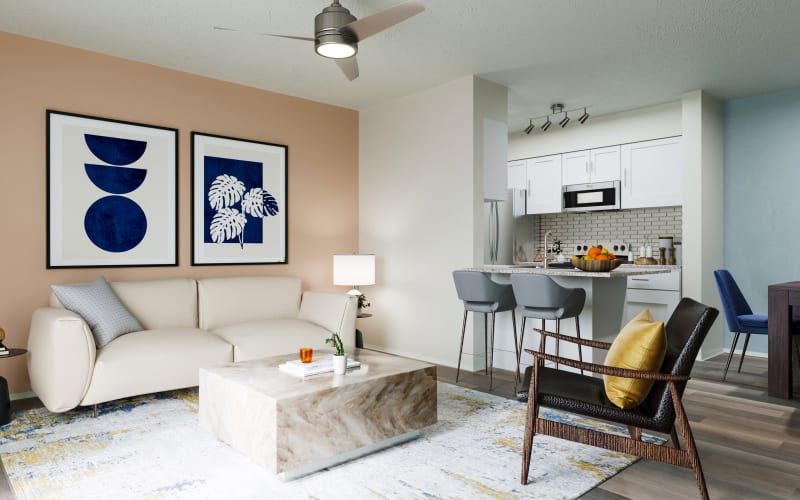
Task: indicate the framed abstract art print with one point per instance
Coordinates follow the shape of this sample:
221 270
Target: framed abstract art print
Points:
111 193
238 201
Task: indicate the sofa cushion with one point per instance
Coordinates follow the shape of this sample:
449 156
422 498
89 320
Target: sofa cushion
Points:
262 339
152 361
99 306
168 303
230 301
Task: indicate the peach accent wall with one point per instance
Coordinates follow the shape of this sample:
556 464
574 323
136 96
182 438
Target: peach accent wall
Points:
36 76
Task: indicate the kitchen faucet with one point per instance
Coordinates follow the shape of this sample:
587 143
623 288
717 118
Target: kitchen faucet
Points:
550 233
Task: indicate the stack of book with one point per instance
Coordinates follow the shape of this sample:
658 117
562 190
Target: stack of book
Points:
325 365
3 350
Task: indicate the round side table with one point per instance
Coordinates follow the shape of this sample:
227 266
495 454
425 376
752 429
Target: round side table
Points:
5 400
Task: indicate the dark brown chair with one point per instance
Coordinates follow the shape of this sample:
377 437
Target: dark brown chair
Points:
661 411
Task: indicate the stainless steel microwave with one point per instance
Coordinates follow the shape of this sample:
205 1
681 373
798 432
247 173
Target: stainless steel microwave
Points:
595 196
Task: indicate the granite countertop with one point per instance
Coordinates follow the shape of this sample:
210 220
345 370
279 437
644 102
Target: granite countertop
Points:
622 271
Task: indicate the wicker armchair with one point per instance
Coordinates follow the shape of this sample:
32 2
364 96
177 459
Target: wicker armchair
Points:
661 411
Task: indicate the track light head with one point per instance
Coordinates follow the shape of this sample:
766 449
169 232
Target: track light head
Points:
584 117
564 122
546 124
529 128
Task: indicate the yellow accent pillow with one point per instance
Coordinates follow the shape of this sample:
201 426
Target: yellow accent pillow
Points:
640 345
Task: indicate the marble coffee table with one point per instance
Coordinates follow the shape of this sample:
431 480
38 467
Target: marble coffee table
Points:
294 426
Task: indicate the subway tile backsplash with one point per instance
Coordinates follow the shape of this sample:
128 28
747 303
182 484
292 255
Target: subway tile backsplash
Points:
636 227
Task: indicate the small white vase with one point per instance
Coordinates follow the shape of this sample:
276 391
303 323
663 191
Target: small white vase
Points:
340 364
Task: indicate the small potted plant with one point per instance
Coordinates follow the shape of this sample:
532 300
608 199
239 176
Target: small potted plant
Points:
339 356
362 304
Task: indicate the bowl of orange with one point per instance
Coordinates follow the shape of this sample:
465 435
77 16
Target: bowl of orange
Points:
597 260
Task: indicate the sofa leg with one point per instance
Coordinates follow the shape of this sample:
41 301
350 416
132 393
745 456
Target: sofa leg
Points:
94 410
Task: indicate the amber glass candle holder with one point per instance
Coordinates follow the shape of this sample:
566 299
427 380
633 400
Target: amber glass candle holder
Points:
306 354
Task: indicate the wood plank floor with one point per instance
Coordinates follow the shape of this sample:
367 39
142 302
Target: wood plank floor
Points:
749 443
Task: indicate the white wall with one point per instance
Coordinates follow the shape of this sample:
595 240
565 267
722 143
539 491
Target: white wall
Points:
653 122
421 213
703 183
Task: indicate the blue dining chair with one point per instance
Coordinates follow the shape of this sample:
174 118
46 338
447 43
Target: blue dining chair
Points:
740 317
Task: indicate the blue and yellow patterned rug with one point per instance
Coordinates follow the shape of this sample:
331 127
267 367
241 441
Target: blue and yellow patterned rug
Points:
153 447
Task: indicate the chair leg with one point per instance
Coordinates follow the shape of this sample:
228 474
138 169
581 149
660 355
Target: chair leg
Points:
558 342
531 417
491 356
485 344
461 351
635 432
580 347
730 355
744 350
682 422
517 349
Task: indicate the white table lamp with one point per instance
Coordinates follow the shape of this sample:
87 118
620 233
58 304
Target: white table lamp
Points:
354 270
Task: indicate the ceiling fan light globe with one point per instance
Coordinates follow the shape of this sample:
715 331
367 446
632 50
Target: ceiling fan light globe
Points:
336 49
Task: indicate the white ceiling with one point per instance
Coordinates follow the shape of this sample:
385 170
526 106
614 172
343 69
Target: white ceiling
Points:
612 55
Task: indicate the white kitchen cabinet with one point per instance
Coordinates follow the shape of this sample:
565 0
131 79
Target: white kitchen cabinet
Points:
658 292
543 184
516 175
652 173
591 165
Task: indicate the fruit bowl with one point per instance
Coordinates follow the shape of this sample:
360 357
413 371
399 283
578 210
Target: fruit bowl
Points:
598 266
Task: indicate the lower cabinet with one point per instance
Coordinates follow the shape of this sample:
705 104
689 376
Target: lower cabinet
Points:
658 292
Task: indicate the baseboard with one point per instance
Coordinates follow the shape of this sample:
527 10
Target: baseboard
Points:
22 395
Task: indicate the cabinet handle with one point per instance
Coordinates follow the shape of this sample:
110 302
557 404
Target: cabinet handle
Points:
640 279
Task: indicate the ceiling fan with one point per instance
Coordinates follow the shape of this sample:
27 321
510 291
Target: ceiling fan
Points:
337 32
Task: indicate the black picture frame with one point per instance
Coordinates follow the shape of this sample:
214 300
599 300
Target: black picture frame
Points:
112 192
239 201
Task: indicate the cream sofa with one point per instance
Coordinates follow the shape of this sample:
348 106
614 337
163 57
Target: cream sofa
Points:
187 324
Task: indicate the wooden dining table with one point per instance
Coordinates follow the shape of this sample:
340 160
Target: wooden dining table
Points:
782 299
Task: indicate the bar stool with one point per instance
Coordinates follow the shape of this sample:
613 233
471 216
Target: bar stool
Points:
544 299
482 295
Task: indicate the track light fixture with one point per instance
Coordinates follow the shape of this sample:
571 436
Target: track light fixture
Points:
529 128
557 109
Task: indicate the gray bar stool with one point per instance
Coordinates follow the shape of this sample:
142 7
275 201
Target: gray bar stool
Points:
542 298
482 295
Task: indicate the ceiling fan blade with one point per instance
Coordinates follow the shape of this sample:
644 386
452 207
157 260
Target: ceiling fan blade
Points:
349 67
370 25
304 38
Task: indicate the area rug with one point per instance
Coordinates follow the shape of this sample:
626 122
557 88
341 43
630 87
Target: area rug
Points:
152 447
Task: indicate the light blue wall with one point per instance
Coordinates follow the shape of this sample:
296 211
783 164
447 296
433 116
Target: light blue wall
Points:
762 196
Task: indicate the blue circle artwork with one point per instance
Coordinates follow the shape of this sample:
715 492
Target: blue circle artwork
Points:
115 223
115 180
115 150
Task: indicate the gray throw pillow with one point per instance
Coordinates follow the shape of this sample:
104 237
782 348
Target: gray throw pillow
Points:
99 306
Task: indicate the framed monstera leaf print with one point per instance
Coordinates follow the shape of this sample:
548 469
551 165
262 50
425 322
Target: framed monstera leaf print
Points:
238 201
111 193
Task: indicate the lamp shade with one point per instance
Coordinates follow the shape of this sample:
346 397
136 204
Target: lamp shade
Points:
354 269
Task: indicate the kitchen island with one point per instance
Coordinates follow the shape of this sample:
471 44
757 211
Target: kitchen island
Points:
600 319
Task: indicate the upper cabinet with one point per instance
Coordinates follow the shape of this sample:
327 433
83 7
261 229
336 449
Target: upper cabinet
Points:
518 182
592 165
652 173
543 184
495 153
